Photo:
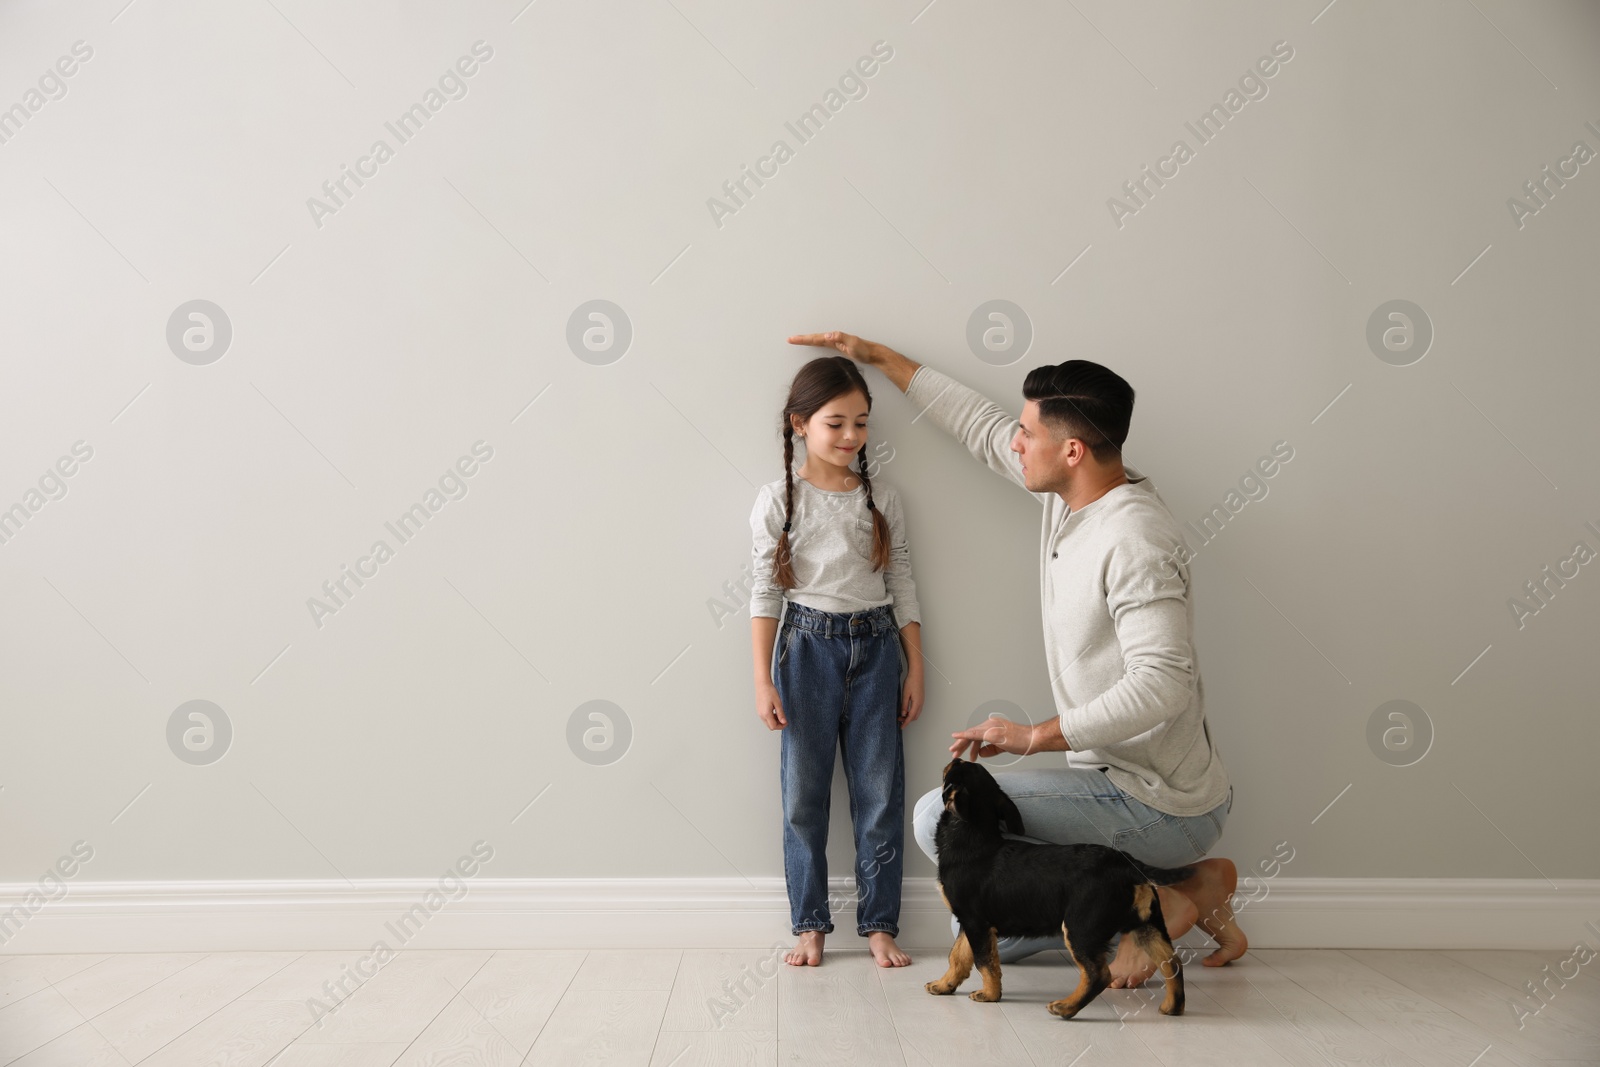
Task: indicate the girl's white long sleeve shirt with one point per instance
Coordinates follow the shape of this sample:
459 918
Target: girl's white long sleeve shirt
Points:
830 545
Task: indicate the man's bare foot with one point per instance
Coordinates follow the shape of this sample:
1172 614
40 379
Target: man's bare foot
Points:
1211 890
885 951
807 952
1132 966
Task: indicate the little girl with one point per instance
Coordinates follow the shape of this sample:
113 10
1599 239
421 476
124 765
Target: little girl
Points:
831 560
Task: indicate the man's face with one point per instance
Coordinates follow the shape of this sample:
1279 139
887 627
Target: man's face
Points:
1048 462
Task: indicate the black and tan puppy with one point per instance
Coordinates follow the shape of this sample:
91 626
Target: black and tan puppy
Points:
999 887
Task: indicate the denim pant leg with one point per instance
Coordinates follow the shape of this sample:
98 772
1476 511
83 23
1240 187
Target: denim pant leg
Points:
809 675
874 767
1080 805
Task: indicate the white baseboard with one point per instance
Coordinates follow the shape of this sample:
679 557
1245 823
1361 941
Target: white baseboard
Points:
724 913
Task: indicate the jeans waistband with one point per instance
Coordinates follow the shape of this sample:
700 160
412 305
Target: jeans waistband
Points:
840 623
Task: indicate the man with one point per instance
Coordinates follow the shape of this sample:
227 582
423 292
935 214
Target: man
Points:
1142 773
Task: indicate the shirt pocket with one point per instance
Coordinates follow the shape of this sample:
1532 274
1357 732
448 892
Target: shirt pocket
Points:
860 530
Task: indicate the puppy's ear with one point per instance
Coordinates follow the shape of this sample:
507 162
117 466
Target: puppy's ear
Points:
958 800
1010 815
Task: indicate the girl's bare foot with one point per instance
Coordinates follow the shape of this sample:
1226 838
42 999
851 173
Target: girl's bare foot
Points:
807 952
885 951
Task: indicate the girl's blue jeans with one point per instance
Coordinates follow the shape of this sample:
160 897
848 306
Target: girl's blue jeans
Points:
1079 805
838 677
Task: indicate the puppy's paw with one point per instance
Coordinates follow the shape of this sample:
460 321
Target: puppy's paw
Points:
940 988
1063 1008
983 997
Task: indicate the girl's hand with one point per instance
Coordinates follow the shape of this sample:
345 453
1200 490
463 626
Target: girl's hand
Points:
911 699
769 707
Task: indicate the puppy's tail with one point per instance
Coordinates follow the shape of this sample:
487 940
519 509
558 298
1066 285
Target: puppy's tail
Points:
1160 875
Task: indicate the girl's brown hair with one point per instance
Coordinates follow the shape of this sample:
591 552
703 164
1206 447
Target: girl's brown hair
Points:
819 381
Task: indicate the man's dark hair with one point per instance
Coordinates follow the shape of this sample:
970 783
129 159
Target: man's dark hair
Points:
1083 400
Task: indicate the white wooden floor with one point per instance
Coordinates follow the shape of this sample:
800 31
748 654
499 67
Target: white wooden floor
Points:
1284 1006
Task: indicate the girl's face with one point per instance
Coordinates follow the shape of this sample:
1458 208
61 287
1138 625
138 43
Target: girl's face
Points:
838 430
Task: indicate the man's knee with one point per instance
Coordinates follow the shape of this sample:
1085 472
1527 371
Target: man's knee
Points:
925 820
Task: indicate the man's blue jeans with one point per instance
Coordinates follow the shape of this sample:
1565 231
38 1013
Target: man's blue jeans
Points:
838 676
1079 805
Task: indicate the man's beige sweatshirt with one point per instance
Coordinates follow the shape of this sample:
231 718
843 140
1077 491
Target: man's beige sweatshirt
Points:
1118 619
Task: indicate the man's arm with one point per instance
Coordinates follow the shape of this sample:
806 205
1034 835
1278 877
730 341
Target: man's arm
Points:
967 415
1046 736
897 368
1149 611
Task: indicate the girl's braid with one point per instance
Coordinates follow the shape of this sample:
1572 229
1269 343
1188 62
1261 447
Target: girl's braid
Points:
783 560
880 526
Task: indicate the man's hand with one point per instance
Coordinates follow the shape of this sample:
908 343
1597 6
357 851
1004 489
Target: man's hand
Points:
897 368
857 348
994 736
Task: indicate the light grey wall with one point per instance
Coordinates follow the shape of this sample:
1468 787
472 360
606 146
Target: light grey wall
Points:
374 345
